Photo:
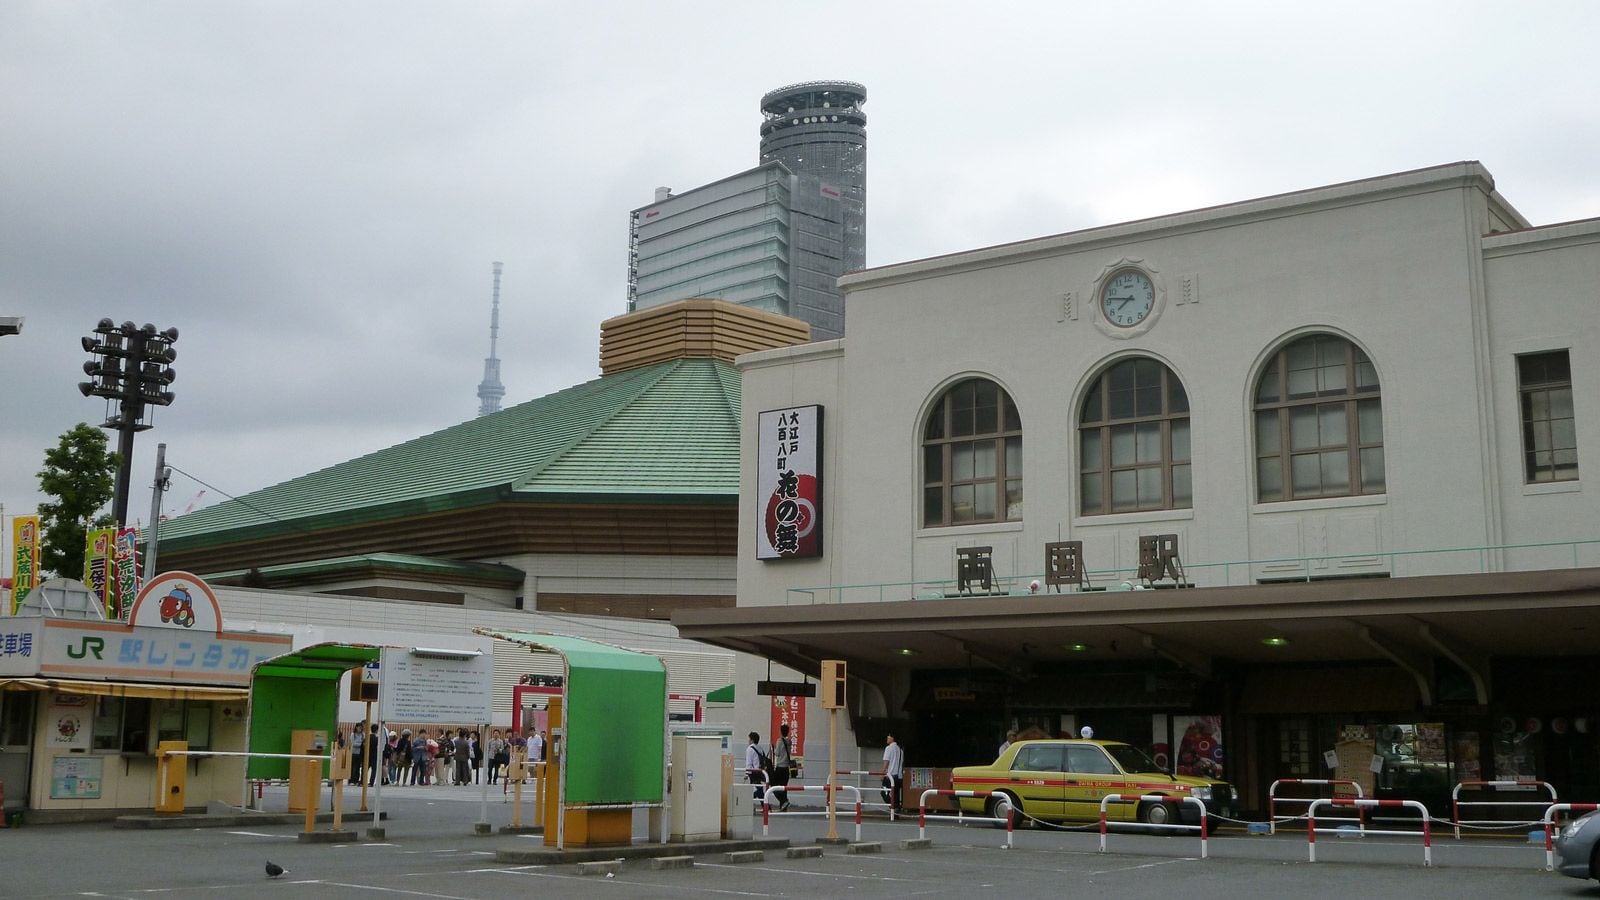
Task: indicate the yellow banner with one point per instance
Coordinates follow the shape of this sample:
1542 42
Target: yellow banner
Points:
99 546
25 544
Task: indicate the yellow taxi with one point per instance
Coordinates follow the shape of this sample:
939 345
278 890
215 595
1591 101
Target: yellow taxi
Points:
1065 780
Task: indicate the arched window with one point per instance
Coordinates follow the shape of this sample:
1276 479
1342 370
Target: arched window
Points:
1318 422
972 457
1133 440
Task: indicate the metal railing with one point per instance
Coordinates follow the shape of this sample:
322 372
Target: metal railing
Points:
1391 563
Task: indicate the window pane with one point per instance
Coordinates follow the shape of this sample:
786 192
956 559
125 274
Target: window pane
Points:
1122 445
1563 434
1301 354
983 459
1121 404
1091 492
1370 415
1366 373
1013 418
961 462
1538 405
933 506
1182 490
1268 441
1177 398
1121 376
1180 440
1267 387
1536 436
935 429
985 393
1150 493
961 503
987 419
1014 498
1269 479
1124 493
1306 472
1332 380
1561 402
985 501
1372 480
1565 463
1336 472
1147 400
1146 372
1091 404
932 464
962 401
1333 425
1089 449
1148 443
1013 457
1303 428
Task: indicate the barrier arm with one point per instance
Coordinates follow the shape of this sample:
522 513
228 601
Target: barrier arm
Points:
1155 798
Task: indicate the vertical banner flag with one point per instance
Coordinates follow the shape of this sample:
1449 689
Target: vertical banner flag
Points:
98 546
790 711
25 544
126 569
789 483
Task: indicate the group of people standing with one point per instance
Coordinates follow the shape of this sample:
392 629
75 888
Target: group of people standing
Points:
436 757
773 768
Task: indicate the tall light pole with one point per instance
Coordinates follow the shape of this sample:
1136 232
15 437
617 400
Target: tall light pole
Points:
131 365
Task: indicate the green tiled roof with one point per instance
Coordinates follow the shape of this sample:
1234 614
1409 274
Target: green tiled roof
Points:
667 432
395 562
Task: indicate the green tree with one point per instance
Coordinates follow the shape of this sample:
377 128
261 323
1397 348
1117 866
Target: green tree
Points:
80 473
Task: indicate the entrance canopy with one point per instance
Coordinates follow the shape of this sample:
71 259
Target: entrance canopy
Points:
614 718
298 690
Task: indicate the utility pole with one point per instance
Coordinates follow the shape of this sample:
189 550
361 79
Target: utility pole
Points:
132 366
162 482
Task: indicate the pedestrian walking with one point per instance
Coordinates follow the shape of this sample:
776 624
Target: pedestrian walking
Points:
782 759
894 770
756 764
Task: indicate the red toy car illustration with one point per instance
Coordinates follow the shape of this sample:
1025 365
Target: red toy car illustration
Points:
178 607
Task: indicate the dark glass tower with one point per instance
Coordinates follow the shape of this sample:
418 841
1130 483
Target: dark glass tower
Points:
819 133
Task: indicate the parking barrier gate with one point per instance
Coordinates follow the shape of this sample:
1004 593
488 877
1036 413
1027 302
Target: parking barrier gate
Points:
1154 798
1272 798
826 789
1456 802
1005 799
1550 825
1427 830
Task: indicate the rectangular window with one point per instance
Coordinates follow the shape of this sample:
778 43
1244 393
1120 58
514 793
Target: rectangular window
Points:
1549 426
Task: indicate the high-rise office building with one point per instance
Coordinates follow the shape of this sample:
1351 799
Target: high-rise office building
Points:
776 237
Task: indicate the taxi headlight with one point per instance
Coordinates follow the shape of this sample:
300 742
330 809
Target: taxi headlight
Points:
1200 793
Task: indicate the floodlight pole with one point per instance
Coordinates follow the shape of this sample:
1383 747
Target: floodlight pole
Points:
153 534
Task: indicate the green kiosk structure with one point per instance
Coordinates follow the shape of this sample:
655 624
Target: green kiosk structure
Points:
608 727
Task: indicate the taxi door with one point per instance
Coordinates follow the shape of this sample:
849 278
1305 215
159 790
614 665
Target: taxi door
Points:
1090 776
1036 777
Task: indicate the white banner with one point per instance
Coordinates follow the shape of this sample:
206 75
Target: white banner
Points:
789 483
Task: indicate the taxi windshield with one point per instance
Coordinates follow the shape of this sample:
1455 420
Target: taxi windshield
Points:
1131 758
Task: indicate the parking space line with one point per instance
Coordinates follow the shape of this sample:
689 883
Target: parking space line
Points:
389 890
1149 865
701 865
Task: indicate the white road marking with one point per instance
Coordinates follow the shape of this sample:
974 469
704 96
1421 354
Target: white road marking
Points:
1149 865
261 834
701 865
388 890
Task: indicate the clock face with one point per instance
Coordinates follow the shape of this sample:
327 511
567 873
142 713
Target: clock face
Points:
1127 298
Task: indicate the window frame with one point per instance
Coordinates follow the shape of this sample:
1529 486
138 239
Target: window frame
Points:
947 442
1347 402
1548 388
1099 391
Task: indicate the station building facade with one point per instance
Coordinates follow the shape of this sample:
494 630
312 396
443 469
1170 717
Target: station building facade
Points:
1359 417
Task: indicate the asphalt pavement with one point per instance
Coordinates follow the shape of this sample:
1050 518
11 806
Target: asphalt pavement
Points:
430 849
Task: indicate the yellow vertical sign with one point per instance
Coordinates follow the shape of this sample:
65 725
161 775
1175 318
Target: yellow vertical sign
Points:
99 545
25 544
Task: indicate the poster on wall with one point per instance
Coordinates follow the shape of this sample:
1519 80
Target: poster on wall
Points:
1199 746
70 720
1354 750
789 483
76 777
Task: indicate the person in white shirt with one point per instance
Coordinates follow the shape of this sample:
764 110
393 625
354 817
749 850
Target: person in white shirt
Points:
1011 735
894 766
754 769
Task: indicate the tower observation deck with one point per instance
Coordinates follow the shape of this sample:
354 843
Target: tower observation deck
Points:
817 128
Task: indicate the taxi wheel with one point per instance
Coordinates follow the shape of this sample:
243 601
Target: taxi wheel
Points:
996 806
1155 814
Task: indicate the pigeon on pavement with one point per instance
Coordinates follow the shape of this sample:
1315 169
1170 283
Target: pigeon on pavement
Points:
274 870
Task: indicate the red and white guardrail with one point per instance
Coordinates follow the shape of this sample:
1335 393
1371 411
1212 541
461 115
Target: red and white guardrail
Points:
1550 827
1154 798
863 773
1273 798
826 789
1005 799
1456 802
1427 830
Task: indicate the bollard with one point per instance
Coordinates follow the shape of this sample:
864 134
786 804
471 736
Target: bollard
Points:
314 772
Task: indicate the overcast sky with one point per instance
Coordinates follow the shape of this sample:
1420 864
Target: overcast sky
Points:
313 192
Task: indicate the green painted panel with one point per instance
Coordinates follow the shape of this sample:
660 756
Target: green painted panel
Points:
279 706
